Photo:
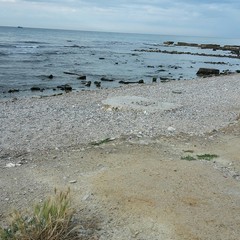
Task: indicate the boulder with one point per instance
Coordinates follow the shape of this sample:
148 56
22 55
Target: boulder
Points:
208 71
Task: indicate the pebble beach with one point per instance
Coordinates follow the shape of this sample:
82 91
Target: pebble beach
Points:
201 106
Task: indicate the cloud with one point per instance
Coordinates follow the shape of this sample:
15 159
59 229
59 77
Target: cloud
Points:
184 17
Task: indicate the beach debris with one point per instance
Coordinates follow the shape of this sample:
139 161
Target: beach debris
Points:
10 165
73 181
171 129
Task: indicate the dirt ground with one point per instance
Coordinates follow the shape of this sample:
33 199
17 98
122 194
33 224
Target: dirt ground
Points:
136 188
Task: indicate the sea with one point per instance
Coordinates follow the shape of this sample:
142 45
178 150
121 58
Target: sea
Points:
39 62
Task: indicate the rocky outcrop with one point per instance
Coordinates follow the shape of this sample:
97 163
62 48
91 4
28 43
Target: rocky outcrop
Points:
208 72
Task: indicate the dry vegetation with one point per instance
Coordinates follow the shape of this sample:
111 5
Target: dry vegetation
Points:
51 220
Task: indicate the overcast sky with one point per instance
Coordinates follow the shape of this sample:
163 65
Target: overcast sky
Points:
172 17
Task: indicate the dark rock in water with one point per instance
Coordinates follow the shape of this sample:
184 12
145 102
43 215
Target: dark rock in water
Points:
50 76
98 84
65 87
116 63
164 81
164 78
187 44
168 43
210 46
101 58
149 66
154 79
35 88
88 84
207 71
13 90
127 82
82 77
237 71
106 79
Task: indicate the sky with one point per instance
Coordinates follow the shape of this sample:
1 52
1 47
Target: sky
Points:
210 18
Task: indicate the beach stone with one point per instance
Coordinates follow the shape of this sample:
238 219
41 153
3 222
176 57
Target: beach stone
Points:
207 71
138 103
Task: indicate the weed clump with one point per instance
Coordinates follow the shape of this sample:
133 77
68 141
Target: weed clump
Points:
207 157
188 158
51 220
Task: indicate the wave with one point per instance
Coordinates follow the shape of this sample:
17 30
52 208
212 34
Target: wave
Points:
24 46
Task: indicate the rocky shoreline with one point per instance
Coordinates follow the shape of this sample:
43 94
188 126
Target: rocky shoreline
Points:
201 106
154 73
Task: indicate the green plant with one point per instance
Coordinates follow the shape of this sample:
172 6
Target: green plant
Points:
188 158
49 221
207 157
106 140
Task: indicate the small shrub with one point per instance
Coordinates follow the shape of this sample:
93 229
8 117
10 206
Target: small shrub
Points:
188 158
48 221
207 157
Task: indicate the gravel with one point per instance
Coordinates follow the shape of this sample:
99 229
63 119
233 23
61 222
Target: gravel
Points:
73 118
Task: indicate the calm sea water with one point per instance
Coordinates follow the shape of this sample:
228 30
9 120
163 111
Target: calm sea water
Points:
28 56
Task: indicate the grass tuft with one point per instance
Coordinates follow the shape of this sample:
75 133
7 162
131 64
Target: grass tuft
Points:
188 158
49 221
106 140
207 157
